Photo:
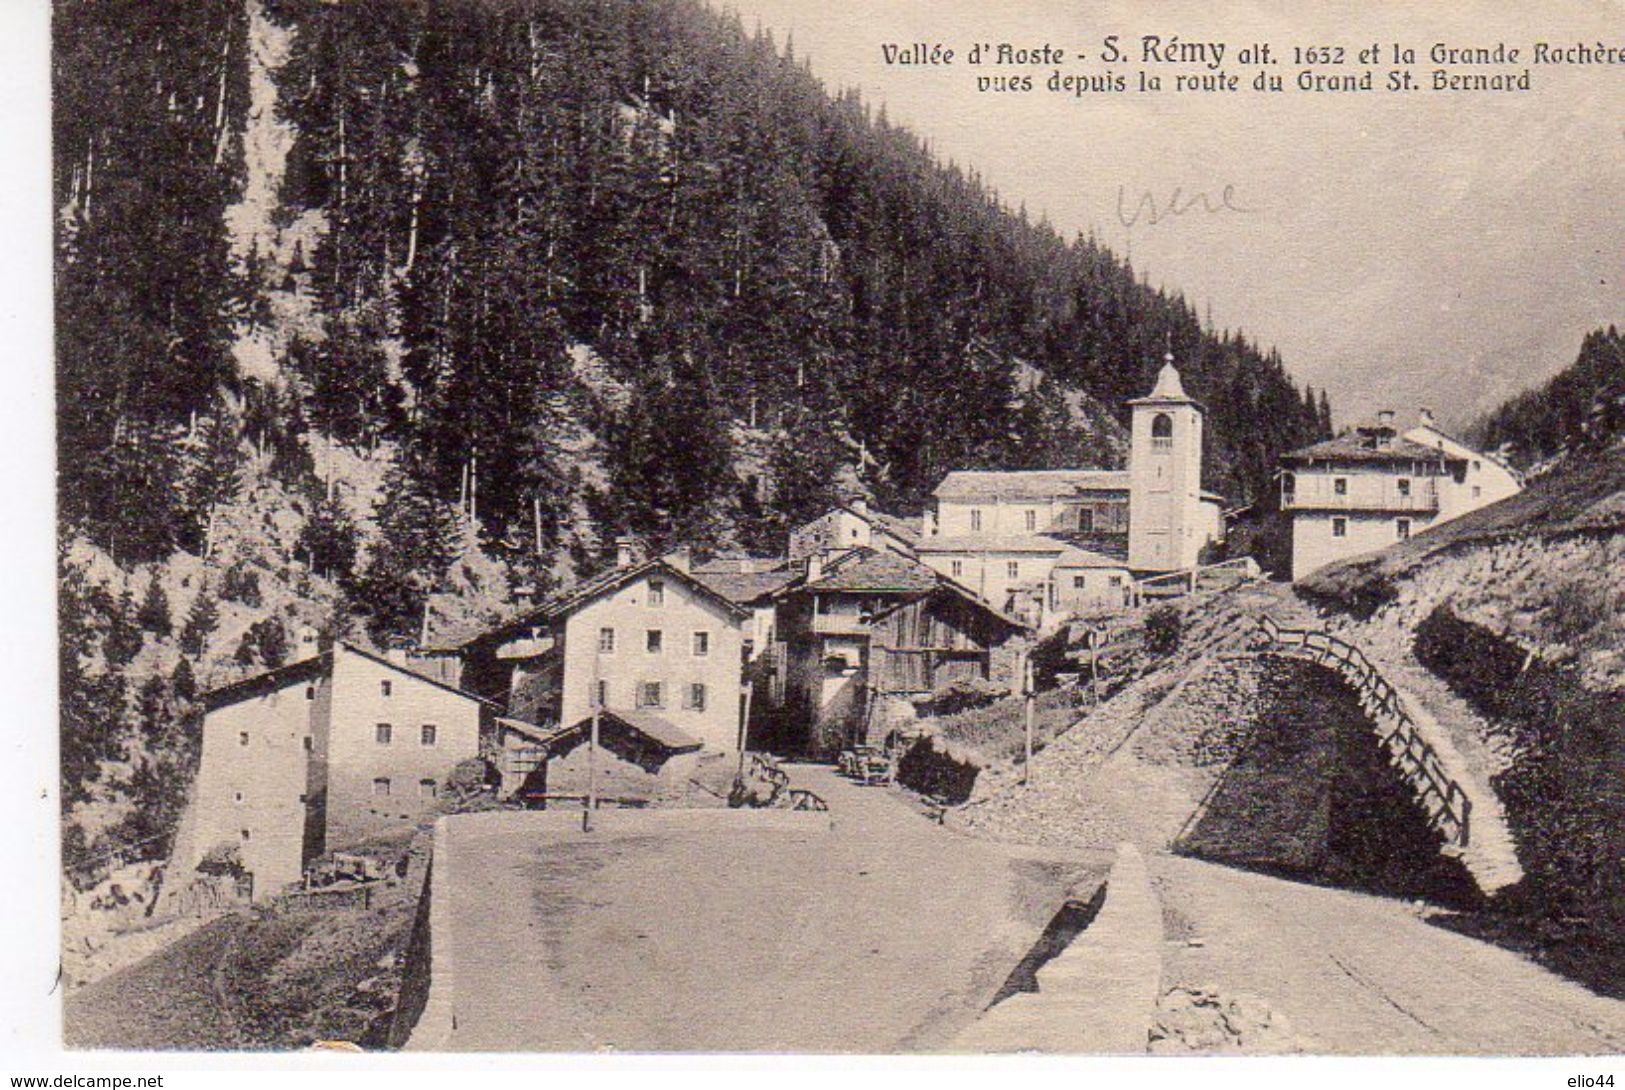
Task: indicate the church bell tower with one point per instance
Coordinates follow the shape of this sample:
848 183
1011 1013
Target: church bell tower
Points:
1165 477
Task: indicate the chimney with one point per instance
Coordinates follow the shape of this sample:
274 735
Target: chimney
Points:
524 595
625 551
1385 418
305 644
859 506
396 654
1426 415
815 566
681 559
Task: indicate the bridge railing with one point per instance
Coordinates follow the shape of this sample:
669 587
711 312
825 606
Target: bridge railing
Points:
1442 796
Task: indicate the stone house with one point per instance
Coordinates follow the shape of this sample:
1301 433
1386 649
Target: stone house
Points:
646 638
854 525
319 754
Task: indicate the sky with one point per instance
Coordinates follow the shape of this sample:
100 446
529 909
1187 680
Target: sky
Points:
1403 250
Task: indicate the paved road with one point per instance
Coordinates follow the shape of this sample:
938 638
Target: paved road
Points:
1358 974
866 929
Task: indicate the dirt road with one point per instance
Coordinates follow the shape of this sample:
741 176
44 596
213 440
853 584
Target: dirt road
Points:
884 932
1359 974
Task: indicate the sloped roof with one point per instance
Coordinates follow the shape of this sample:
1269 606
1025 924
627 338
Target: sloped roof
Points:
745 587
1027 484
993 543
1353 448
1075 557
949 587
662 732
573 598
317 666
878 572
906 530
268 680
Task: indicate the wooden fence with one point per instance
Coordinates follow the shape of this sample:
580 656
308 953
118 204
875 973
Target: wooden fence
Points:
1176 583
1449 808
328 898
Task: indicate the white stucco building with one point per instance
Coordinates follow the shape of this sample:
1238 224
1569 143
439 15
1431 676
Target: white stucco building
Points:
1009 535
1373 487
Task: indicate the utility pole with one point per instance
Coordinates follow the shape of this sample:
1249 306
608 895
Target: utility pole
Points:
1027 692
744 725
592 750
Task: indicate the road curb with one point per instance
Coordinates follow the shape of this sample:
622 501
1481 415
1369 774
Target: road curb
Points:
439 1018
1096 997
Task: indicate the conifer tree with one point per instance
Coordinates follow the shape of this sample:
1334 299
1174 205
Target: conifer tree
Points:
153 616
201 620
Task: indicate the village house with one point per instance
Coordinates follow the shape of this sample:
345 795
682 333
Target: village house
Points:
854 525
1002 533
646 637
1374 486
869 631
319 754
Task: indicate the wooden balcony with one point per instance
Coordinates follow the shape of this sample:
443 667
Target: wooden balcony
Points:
840 624
1317 494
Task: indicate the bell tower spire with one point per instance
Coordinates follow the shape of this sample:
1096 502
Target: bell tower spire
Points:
1165 475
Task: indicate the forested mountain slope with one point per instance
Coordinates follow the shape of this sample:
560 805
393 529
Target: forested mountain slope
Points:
385 298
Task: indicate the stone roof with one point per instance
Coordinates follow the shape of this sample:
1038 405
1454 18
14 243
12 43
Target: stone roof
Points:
744 587
1075 557
992 543
1028 484
1355 448
877 572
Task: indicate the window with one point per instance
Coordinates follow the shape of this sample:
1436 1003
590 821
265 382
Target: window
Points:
238 797
653 641
242 738
1012 569
426 789
1114 580
696 697
1340 485
1079 582
1476 465
1086 521
385 688
702 644
1404 486
975 520
956 568
246 835
310 744
603 693
1032 520
1477 491
606 641
1403 527
310 692
429 734
383 734
1340 527
1162 432
649 694
657 592
380 787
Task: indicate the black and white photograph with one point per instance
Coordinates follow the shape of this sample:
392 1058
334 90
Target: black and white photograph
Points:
805 528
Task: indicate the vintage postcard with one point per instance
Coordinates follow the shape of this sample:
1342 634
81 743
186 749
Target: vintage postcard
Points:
655 526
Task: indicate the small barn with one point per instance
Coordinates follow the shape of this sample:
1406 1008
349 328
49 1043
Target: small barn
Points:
640 758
